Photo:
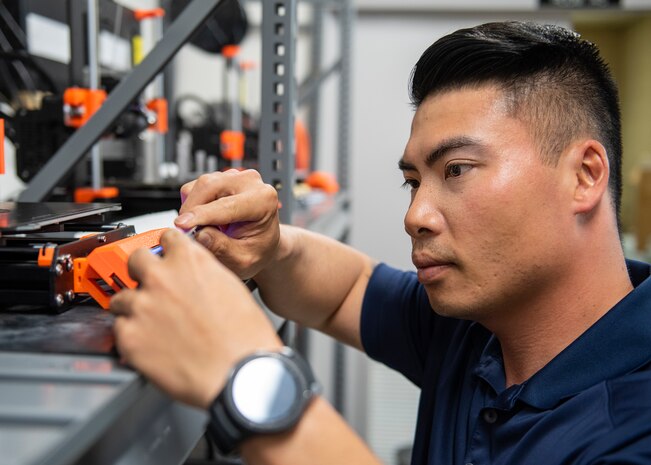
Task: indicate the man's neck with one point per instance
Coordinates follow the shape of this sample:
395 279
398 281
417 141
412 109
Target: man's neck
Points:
532 337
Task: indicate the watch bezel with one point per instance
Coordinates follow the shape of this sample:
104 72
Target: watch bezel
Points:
305 389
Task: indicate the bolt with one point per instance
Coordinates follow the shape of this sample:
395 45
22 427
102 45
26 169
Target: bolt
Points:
58 299
66 261
70 296
58 269
101 238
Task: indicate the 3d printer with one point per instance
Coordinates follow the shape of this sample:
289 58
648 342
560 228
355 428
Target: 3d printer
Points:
53 255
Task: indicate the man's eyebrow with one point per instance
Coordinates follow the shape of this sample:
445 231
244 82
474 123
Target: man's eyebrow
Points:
440 151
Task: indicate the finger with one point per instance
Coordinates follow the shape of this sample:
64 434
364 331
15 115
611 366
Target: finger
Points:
121 327
175 243
140 262
212 239
229 252
251 205
185 191
122 303
209 187
216 186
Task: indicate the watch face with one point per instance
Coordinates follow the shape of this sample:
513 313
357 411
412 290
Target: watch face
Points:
264 390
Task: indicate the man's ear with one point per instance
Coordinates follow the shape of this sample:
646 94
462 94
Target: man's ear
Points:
591 169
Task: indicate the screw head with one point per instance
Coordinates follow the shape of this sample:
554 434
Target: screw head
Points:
58 299
70 295
66 262
58 269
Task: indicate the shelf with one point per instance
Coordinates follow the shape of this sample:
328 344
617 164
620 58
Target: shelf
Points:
59 408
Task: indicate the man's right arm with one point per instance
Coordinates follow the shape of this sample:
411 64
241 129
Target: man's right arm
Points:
308 278
317 282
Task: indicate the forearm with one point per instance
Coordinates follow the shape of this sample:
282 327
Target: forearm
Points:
320 438
317 282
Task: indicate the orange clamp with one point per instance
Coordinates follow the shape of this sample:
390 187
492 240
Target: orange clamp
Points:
324 181
45 256
232 145
159 106
80 104
303 152
88 194
105 271
247 65
230 51
153 13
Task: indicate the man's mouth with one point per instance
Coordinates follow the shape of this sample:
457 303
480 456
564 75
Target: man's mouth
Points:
430 269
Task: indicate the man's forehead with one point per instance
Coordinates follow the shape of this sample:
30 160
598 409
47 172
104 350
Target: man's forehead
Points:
478 113
487 96
457 110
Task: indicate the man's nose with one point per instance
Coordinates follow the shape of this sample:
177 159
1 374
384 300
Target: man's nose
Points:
423 215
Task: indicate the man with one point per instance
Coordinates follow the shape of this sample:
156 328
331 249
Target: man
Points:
524 325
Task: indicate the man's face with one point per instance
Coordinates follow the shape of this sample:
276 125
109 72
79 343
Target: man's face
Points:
488 219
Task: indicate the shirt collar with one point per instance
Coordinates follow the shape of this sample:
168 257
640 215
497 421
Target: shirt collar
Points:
616 344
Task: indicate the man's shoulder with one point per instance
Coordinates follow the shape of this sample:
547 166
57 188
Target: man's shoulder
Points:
628 439
630 394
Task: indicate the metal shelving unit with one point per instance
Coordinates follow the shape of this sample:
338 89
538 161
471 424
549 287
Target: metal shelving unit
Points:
281 97
64 397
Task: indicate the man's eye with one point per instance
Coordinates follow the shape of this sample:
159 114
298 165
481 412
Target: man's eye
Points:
454 170
410 184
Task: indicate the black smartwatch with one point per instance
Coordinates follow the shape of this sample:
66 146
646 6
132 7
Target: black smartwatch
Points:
266 393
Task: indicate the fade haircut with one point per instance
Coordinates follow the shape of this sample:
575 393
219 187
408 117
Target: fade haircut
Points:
551 79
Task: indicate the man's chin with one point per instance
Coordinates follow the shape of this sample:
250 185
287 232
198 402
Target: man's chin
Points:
448 309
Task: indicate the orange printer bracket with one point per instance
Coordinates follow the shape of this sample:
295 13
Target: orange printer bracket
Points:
104 271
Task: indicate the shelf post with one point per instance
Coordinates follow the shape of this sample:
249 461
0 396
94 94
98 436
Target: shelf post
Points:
276 149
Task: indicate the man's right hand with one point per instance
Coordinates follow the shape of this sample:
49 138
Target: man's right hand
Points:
238 216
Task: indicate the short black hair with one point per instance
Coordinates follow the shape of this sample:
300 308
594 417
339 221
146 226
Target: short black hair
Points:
552 79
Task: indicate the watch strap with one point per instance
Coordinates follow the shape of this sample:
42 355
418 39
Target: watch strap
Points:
223 431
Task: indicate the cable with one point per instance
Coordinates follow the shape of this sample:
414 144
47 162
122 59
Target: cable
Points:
8 80
13 26
28 59
20 68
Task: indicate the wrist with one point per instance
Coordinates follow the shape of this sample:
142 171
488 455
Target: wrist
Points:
284 251
266 393
286 243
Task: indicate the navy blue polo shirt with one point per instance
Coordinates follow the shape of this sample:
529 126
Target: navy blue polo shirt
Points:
589 405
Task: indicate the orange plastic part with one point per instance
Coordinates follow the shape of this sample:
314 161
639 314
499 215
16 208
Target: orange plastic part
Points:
88 194
247 65
303 153
45 256
230 51
2 146
324 181
232 145
108 263
159 106
80 104
153 13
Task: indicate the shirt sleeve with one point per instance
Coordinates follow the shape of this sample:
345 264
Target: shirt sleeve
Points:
626 447
398 325
629 441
